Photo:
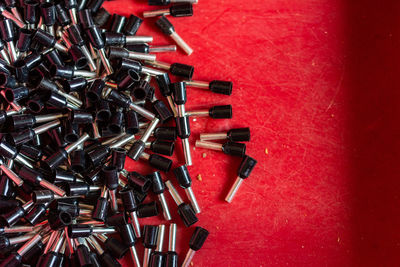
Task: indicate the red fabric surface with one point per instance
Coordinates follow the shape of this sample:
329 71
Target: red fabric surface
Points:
317 83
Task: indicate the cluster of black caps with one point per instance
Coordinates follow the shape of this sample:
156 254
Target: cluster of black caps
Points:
77 97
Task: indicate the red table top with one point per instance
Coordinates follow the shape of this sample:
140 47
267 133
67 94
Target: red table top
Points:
316 82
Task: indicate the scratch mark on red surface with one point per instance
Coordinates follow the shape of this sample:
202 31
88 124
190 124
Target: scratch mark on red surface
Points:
336 91
214 20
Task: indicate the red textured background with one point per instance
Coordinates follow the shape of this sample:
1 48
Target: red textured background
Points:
317 82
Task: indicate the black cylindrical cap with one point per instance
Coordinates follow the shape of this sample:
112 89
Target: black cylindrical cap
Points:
31 152
118 156
140 91
71 132
165 133
44 38
179 91
148 210
101 209
116 248
182 70
157 259
21 70
7 188
7 30
150 233
80 117
59 220
118 23
54 58
234 149
246 167
75 85
42 196
79 230
116 122
132 25
101 17
160 163
31 14
116 219
13 260
158 184
117 52
198 238
96 156
110 176
171 259
118 99
183 127
162 111
239 134
30 175
128 199
62 15
140 48
183 176
158 2
24 40
221 112
108 260
21 121
48 11
83 256
114 39
165 25
221 87
95 37
94 5
78 161
136 150
103 112
55 160
164 82
187 214
78 57
181 10
127 234
95 90
61 176
139 182
131 122
130 79
36 214
85 18
126 63
162 147
74 34
77 189
12 217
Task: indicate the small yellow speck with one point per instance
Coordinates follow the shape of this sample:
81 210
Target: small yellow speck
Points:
199 177
204 155
266 151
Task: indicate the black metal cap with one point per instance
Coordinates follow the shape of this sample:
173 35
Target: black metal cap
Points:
157 259
158 184
162 111
12 217
182 70
234 149
132 25
183 176
127 234
131 122
77 189
166 133
83 256
187 214
128 199
78 161
116 248
55 160
59 220
221 87
48 11
117 52
118 156
62 15
139 182
44 38
136 150
158 2
24 40
162 147
181 10
114 39
109 260
7 30
150 233
31 13
160 163
165 25
118 23
98 155
246 167
198 238
79 230
85 18
147 210
95 37
179 91
36 214
239 134
110 176
118 99
116 122
116 219
101 209
101 17
42 196
221 112
95 90
183 127
164 82
171 259
141 90
132 77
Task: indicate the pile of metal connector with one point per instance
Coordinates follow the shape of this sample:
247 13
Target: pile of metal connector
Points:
78 95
